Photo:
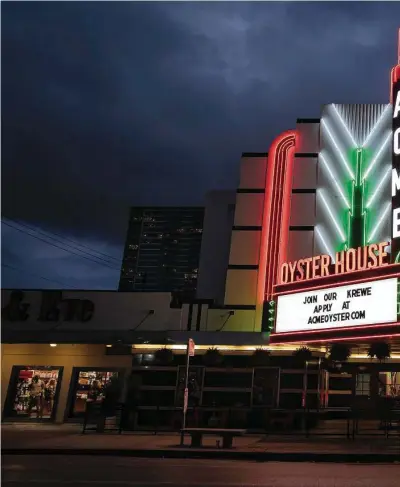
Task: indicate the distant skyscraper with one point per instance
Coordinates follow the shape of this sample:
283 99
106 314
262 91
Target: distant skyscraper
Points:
162 249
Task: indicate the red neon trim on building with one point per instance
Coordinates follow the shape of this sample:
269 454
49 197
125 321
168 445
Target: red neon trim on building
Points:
286 207
341 283
276 214
337 329
341 339
270 215
395 73
394 77
284 150
277 193
388 267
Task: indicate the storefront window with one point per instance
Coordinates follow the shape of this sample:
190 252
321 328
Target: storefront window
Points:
389 384
363 385
89 387
33 392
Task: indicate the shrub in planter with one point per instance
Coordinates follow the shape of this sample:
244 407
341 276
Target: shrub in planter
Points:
379 350
260 357
164 356
213 357
302 355
339 352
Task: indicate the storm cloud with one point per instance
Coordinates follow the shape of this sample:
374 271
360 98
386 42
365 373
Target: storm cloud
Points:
106 105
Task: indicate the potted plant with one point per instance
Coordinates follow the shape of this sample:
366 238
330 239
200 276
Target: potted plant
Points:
164 356
302 355
260 357
213 357
339 352
379 350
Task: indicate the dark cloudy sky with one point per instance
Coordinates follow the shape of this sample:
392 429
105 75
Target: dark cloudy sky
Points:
112 104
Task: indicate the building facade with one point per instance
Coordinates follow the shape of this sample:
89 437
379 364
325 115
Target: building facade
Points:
308 257
214 255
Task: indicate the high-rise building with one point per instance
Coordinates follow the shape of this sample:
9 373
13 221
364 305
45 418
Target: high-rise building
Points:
162 249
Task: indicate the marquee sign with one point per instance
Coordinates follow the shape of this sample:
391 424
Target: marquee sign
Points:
352 260
396 171
337 307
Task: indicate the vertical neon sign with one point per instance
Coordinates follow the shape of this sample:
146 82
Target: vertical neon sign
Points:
395 98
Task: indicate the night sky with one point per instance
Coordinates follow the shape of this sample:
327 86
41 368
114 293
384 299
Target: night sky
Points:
107 105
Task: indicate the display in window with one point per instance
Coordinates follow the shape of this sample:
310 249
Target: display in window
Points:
389 384
90 388
35 393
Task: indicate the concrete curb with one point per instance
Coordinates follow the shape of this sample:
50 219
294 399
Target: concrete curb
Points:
216 454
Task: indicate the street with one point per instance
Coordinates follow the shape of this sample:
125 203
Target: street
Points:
81 471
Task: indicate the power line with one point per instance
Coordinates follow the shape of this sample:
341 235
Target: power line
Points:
58 246
35 275
48 235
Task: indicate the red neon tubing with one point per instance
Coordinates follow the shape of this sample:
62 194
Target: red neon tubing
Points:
340 284
276 215
395 72
338 329
321 340
284 165
320 279
286 207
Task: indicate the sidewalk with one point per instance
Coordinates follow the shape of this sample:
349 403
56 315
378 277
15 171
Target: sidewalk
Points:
67 439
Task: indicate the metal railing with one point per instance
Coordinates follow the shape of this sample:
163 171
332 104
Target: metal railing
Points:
306 422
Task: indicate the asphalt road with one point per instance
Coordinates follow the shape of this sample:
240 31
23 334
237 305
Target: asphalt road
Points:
97 471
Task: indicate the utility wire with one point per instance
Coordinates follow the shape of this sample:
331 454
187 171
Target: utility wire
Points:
8 266
58 246
48 235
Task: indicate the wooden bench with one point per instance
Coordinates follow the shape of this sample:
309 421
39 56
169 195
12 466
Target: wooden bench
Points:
226 434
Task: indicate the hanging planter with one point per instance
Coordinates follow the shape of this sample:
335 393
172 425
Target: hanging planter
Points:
164 356
339 352
301 356
379 350
213 357
260 357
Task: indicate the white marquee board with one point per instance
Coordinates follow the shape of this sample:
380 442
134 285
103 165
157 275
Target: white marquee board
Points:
337 307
